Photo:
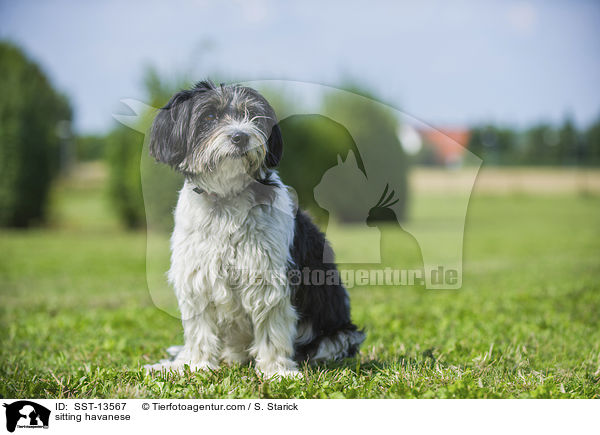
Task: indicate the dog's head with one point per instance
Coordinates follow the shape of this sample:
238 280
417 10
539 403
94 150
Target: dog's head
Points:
217 134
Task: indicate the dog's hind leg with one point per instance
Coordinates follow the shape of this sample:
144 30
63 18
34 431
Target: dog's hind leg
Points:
344 343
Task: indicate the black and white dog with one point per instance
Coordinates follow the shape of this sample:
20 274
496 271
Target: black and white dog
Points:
238 235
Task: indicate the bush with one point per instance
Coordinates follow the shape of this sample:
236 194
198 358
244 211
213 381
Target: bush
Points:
373 127
312 144
123 152
31 112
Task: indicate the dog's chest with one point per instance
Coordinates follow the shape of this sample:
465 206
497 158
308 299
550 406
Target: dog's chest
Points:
219 249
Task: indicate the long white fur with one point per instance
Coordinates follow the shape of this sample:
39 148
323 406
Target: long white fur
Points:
228 268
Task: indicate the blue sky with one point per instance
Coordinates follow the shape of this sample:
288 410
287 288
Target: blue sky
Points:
448 63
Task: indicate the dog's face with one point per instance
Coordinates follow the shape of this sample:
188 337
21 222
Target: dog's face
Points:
213 131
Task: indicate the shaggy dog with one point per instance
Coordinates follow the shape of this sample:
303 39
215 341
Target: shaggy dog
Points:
239 244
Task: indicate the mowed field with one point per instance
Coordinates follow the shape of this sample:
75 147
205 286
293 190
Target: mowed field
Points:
77 319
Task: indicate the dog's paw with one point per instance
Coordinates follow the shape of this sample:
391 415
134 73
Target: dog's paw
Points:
164 366
179 367
291 374
279 374
201 366
281 371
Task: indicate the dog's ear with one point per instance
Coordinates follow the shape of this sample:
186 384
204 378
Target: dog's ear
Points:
168 135
274 147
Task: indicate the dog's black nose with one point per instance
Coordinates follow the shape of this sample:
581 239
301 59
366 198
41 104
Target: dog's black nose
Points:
240 139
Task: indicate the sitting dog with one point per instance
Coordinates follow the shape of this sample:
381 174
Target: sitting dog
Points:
238 238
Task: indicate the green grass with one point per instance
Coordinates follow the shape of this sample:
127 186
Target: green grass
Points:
77 320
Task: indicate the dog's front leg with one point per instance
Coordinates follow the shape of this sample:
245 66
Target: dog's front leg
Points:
274 325
201 342
202 345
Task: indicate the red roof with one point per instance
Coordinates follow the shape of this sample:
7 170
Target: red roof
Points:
449 143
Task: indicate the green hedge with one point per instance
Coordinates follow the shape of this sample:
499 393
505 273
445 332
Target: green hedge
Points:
30 115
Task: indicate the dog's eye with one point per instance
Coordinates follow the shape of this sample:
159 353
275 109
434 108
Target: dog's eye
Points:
210 116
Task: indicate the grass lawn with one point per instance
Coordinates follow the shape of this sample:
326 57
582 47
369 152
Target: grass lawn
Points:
77 320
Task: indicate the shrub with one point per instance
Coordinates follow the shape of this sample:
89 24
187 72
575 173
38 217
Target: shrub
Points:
31 112
312 144
123 152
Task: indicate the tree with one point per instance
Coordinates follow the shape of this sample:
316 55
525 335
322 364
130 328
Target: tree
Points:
494 145
592 144
539 145
31 114
568 146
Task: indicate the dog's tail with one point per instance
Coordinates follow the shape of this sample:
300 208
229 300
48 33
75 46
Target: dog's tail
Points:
344 343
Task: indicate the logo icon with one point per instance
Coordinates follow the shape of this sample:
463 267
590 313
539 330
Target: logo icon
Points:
363 197
26 414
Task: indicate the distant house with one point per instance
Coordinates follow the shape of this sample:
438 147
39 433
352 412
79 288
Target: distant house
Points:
445 146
